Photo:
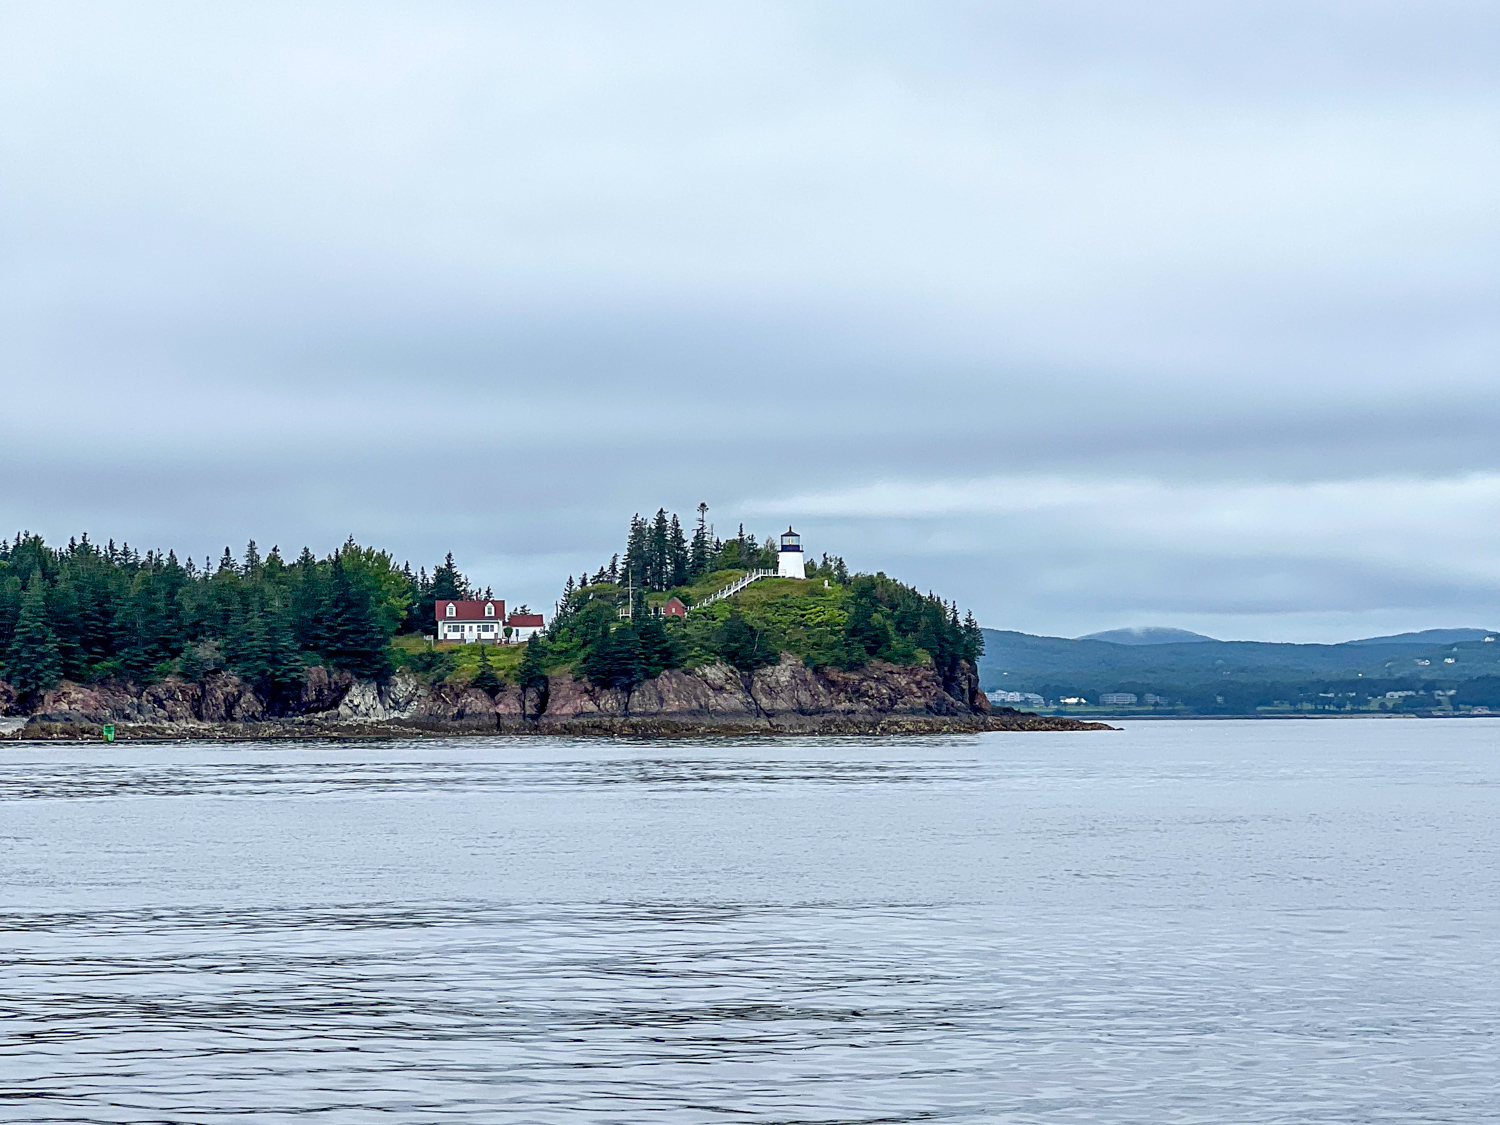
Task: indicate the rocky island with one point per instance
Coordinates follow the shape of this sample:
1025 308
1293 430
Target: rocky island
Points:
728 637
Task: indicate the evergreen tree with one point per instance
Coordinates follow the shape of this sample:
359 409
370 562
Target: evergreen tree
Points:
658 652
309 609
677 555
190 664
614 661
637 554
486 680
865 632
357 642
742 646
659 565
531 677
448 583
701 548
32 662
973 639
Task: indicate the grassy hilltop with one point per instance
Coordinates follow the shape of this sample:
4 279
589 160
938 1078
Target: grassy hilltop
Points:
608 628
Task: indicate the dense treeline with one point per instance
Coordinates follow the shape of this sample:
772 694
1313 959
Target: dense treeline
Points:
89 613
1245 697
832 620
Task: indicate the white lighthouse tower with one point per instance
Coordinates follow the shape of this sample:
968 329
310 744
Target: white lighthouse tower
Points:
789 558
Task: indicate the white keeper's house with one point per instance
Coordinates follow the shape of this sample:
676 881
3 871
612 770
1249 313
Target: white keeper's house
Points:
483 622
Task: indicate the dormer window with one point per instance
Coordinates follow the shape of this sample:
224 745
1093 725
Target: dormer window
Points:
489 609
452 610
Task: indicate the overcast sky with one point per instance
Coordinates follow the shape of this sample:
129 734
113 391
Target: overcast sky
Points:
1084 314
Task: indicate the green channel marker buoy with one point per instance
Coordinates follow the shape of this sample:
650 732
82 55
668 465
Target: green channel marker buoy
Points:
109 732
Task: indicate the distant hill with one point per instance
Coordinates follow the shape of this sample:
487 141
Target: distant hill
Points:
1428 637
1150 635
1055 666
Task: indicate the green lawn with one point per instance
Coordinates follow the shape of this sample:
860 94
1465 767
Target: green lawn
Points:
460 662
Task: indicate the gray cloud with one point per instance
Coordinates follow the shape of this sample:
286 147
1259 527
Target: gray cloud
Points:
489 278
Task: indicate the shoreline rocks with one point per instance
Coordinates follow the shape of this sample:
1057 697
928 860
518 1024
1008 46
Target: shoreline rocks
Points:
784 698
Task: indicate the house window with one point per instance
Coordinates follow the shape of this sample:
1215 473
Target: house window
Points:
486 628
452 610
489 610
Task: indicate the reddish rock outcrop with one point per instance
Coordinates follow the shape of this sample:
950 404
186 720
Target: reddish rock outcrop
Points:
89 703
228 699
785 697
171 701
322 689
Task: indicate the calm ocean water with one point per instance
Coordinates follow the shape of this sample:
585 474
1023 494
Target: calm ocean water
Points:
1183 922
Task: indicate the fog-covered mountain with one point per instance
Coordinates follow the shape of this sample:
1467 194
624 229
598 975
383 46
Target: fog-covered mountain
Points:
1148 635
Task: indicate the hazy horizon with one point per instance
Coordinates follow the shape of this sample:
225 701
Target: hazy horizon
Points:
1086 317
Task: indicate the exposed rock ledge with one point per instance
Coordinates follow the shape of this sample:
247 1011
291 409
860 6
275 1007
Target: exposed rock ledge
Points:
785 698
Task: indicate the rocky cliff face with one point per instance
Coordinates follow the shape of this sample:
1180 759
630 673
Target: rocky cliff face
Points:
787 696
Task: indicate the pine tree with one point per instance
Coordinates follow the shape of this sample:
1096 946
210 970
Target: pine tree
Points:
973 639
658 652
677 555
486 680
637 553
447 582
660 546
531 677
33 663
614 660
698 553
357 642
310 614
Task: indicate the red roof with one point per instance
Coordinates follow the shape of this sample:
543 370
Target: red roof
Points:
525 620
467 611
675 606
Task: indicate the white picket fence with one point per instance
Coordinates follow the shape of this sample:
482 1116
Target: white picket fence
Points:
735 587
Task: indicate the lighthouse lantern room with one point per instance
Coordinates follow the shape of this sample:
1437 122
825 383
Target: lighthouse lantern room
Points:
789 558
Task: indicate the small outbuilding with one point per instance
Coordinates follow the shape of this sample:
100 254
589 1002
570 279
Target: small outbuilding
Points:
524 626
674 607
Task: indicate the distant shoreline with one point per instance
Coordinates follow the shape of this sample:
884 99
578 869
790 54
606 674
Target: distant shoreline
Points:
1106 717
